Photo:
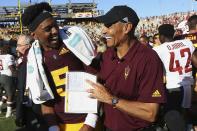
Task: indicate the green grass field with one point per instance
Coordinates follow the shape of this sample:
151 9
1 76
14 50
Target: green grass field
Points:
6 124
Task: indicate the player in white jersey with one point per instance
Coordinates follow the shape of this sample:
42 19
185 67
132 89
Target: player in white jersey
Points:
176 57
7 63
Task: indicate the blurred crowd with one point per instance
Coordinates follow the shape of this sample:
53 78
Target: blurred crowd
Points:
147 27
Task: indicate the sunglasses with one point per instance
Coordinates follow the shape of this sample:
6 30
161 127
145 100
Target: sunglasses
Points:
109 24
124 20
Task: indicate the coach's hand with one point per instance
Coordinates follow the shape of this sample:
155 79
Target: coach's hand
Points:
99 92
86 128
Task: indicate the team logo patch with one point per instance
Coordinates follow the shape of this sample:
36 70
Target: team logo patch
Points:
63 51
156 94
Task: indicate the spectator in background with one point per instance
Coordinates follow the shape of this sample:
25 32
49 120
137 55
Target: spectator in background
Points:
28 114
178 32
145 41
131 75
101 45
150 40
156 41
7 69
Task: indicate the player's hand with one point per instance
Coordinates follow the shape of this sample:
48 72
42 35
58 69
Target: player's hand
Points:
99 92
86 128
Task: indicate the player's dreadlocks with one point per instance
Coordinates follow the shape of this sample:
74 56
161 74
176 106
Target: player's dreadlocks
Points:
35 14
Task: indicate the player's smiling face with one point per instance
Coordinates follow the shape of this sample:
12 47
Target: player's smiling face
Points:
48 34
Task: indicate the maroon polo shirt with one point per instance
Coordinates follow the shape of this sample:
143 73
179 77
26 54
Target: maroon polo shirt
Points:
138 76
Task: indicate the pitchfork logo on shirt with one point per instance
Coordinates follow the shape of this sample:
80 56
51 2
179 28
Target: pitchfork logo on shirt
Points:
63 51
126 72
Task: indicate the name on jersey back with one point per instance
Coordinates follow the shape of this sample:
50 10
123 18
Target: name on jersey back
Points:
175 46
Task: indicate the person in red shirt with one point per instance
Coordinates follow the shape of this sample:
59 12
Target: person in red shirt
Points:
131 85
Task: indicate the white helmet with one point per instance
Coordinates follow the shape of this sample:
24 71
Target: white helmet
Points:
183 26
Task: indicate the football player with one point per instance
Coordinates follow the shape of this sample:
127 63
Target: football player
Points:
57 60
176 57
7 70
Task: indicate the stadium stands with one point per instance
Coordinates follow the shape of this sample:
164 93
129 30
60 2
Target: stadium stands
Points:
81 14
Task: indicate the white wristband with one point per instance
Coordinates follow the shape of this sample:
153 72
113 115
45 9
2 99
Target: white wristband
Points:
91 120
54 128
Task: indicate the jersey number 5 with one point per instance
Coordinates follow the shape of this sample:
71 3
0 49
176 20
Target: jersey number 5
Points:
175 64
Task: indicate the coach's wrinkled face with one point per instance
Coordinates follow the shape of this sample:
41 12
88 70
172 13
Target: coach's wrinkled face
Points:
48 34
116 34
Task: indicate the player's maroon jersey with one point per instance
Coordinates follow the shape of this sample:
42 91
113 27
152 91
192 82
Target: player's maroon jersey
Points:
192 37
58 62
